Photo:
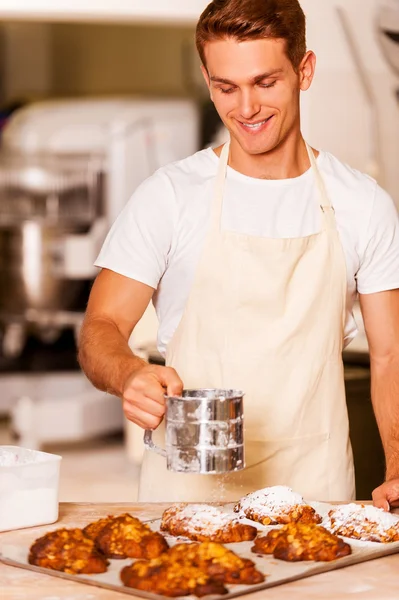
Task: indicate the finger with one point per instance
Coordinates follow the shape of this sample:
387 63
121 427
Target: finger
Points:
156 392
152 389
143 419
171 381
392 487
145 404
380 498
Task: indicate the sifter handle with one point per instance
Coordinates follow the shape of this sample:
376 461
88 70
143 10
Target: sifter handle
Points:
149 444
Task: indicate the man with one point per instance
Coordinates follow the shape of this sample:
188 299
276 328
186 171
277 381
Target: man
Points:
253 254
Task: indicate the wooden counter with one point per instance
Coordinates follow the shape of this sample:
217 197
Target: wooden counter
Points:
374 580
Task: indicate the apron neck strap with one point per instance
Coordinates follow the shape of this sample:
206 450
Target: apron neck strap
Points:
326 207
217 204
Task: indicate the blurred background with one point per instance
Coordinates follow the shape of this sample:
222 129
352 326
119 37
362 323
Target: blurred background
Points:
94 96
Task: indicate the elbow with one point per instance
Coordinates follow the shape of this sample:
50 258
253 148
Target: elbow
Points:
81 351
84 343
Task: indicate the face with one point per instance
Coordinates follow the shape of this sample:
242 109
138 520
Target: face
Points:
256 90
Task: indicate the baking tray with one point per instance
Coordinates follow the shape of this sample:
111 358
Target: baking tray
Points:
277 572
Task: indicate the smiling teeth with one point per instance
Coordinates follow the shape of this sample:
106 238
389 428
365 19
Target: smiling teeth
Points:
254 125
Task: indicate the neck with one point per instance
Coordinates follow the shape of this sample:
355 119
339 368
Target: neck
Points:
287 160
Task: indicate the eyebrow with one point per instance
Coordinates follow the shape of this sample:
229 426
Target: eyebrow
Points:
255 79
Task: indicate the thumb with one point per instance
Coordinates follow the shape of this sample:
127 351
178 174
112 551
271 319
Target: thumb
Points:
171 381
380 498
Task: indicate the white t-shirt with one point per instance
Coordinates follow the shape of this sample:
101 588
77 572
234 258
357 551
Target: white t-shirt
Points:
158 237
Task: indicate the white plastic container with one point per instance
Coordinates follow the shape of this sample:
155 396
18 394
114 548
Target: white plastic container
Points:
29 482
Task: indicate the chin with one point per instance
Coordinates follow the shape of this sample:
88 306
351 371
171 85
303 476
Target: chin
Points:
255 147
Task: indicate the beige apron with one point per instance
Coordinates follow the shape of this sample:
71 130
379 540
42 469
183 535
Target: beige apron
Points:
267 316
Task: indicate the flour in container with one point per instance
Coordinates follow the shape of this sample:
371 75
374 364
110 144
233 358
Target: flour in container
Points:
28 487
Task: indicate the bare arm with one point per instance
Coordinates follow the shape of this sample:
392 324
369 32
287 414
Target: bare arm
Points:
381 319
116 305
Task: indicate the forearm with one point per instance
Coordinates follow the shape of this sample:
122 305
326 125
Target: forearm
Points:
105 356
385 397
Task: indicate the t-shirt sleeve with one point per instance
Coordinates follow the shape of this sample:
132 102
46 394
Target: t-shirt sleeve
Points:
139 242
379 264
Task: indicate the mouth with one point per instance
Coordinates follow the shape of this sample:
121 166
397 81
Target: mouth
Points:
255 127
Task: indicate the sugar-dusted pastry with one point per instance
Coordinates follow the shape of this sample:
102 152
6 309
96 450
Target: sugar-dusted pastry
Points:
297 541
186 569
276 505
202 522
361 522
67 550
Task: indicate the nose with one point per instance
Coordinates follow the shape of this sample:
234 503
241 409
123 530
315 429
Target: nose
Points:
249 105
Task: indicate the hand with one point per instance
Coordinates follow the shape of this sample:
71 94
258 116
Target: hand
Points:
386 496
143 394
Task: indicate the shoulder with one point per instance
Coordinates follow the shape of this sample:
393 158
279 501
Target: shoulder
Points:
356 190
365 212
193 170
169 183
177 187
172 181
351 182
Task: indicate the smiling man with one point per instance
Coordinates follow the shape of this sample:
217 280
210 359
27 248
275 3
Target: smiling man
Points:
253 254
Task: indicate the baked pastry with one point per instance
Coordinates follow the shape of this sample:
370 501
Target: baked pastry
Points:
168 578
202 522
297 541
276 505
67 550
218 561
185 569
92 530
127 537
361 522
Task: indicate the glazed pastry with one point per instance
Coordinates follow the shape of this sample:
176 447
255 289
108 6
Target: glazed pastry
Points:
297 541
127 537
67 550
185 569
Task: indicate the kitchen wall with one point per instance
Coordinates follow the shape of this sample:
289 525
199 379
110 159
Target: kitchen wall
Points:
68 59
102 59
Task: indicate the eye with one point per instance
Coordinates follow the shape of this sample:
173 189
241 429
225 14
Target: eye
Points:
227 90
268 85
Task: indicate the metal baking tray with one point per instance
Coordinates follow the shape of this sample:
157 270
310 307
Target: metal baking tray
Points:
277 572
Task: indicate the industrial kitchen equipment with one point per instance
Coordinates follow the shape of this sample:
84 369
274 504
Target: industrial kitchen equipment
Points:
67 168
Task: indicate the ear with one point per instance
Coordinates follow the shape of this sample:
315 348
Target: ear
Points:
307 70
207 80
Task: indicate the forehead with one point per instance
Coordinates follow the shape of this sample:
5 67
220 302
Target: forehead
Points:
235 60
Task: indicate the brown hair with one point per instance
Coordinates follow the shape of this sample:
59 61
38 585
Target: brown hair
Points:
254 19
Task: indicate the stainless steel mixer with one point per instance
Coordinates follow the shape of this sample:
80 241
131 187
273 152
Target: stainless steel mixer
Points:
48 203
204 432
43 201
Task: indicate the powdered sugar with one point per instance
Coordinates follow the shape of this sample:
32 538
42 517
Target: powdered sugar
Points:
203 518
271 501
11 457
366 522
